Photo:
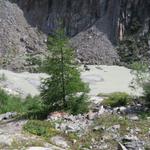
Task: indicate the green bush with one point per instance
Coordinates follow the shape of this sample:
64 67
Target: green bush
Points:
41 128
10 103
146 88
132 49
117 99
78 104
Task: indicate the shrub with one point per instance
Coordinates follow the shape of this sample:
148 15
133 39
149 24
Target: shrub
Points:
117 99
9 102
142 79
133 48
41 128
27 106
146 88
77 104
141 72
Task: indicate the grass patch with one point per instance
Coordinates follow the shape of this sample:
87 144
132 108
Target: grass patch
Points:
41 128
26 143
144 115
111 120
117 99
104 94
30 107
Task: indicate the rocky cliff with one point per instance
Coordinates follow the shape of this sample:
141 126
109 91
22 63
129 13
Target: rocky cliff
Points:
110 16
24 24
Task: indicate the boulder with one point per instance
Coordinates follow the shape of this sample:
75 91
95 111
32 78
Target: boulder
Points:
59 141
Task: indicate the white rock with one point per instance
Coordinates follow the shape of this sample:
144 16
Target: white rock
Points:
91 115
59 141
133 117
122 109
130 138
116 127
101 110
122 147
6 139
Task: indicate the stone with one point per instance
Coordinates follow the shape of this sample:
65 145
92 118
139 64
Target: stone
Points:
103 147
123 109
8 115
131 142
57 115
120 110
129 138
91 115
72 128
59 141
6 139
101 110
121 146
148 118
95 99
137 130
99 128
116 127
133 117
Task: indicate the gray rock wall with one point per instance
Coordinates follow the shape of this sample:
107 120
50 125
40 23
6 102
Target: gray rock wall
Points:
24 24
110 16
74 15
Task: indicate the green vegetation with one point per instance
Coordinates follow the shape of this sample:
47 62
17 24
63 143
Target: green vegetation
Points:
25 144
104 94
141 72
64 90
41 128
34 62
133 49
110 120
77 104
117 99
135 26
10 103
146 88
142 79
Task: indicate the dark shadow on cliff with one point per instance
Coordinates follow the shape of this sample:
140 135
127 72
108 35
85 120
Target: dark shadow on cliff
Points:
79 15
35 12
75 16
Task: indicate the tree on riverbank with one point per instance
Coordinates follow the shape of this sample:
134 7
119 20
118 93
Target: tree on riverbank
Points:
63 90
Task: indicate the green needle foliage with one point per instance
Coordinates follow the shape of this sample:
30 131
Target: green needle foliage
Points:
64 83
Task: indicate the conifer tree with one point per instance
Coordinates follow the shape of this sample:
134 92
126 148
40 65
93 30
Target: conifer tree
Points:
61 90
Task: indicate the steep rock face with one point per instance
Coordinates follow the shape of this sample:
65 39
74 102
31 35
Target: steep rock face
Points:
74 15
134 17
110 16
20 27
